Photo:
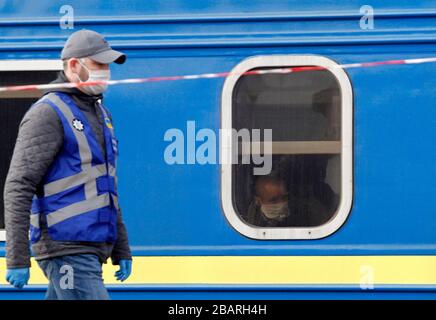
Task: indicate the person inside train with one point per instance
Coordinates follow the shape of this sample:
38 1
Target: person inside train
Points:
295 194
270 205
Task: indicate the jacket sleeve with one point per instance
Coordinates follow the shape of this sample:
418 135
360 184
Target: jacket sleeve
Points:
121 250
40 137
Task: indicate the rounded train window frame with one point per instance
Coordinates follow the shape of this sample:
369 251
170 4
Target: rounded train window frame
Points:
346 196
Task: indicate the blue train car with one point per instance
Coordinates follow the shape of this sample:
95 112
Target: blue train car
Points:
351 148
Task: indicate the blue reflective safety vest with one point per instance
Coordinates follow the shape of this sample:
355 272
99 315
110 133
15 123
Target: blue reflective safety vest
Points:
77 199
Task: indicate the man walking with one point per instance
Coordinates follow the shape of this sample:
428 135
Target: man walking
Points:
62 182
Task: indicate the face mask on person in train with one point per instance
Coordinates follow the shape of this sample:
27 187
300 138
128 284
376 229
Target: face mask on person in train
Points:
94 75
276 211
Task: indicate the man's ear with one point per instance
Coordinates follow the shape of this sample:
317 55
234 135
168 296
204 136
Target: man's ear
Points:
257 201
73 65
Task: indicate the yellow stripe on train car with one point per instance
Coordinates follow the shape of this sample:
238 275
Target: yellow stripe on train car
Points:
268 270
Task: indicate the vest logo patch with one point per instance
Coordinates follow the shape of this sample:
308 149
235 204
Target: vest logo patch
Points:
77 124
108 123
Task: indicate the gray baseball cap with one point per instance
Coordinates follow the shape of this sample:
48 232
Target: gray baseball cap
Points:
90 44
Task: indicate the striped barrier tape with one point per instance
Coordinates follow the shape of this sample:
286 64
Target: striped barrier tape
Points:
213 75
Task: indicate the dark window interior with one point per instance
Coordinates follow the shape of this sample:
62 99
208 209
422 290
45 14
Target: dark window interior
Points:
13 106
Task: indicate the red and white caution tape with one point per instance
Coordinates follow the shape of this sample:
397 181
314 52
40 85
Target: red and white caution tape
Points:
213 75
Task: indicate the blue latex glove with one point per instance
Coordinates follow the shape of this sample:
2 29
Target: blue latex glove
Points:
125 270
18 277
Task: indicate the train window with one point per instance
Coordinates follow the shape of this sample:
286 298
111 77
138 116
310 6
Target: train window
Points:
306 190
13 106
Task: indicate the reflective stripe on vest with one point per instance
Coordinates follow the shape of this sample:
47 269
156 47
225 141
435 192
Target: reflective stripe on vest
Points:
75 180
77 208
34 220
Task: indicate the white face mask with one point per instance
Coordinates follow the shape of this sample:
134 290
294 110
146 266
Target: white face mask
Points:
276 211
95 75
